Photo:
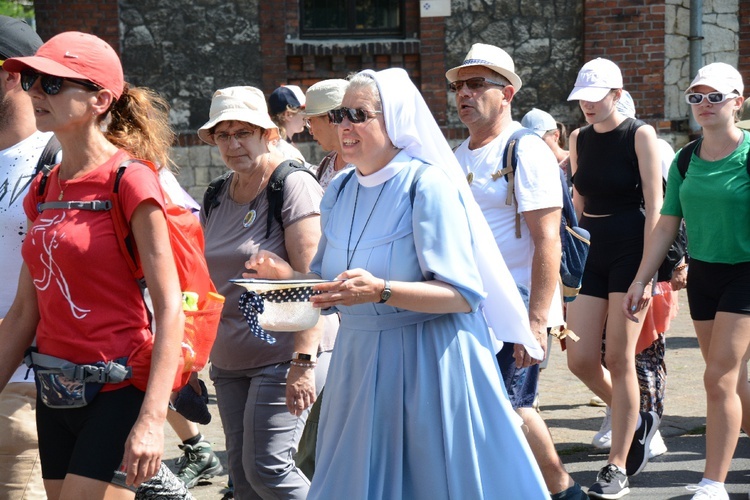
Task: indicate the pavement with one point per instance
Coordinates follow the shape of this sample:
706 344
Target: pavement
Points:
564 404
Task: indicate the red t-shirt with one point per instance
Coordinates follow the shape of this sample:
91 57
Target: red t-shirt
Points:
90 305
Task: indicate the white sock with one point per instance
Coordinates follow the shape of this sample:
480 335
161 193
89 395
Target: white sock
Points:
712 484
621 470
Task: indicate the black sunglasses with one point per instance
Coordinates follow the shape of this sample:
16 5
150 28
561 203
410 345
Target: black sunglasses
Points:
51 85
473 84
357 115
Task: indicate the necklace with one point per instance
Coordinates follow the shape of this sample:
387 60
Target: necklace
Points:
59 184
251 214
350 256
722 154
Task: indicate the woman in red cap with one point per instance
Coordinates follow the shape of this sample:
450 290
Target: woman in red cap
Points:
76 293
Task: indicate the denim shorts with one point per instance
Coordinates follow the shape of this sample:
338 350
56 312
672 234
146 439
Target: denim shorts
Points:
520 383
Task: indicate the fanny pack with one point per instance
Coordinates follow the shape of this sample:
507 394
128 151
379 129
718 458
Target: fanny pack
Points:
63 384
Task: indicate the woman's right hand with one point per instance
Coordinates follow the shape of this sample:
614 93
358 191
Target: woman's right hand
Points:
637 298
265 264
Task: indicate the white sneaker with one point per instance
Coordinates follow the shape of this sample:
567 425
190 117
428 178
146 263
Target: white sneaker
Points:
657 446
603 438
704 492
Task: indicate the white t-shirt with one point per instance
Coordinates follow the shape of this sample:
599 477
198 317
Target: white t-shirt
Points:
537 186
17 167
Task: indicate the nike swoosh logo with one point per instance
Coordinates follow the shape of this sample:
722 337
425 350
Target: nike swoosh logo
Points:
622 483
645 433
72 56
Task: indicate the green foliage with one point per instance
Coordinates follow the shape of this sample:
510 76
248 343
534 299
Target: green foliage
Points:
22 9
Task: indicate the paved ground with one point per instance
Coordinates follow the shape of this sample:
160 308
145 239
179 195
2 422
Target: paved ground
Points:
564 405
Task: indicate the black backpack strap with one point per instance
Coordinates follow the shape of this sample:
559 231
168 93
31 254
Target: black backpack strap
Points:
211 196
275 191
686 154
510 163
49 155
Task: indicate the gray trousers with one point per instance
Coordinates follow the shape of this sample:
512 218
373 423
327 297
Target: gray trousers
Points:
261 435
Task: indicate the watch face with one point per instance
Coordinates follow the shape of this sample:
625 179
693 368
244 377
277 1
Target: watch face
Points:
385 295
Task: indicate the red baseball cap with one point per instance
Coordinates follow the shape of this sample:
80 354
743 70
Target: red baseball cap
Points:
75 55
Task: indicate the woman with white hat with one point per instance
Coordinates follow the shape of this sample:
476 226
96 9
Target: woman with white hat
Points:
616 170
263 390
713 197
414 406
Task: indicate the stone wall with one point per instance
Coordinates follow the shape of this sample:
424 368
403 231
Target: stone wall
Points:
544 37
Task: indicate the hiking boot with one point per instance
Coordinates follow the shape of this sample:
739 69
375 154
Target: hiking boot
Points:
706 492
658 446
638 454
610 484
603 438
199 463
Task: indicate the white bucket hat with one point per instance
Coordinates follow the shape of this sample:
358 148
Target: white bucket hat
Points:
242 104
539 121
490 57
721 76
324 96
625 105
595 79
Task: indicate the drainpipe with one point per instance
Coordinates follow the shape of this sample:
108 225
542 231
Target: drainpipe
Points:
696 50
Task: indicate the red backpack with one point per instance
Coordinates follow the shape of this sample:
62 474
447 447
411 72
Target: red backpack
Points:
204 307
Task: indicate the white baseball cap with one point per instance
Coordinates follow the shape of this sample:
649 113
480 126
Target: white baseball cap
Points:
595 79
539 121
720 76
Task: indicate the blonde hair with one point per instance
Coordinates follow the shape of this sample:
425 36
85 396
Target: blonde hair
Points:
139 124
280 119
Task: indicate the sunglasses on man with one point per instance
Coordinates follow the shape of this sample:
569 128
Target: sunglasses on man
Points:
355 115
51 85
713 97
476 83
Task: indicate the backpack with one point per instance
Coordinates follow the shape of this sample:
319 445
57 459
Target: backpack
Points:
274 192
574 240
202 305
678 248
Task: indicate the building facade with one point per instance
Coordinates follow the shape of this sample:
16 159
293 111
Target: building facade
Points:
186 49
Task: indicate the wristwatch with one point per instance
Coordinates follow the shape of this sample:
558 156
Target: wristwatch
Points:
386 293
300 356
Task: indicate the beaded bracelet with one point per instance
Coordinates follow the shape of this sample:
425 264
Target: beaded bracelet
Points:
304 364
641 283
681 267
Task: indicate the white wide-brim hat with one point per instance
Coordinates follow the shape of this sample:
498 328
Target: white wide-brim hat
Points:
242 104
287 306
490 57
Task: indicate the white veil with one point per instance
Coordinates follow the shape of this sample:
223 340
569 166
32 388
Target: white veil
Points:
411 127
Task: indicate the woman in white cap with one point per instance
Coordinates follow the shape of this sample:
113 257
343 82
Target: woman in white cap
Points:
77 295
263 390
616 171
414 406
713 196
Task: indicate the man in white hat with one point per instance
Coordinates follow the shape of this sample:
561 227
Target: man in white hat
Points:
323 97
484 86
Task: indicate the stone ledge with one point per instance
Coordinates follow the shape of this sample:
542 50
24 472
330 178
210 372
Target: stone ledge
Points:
351 47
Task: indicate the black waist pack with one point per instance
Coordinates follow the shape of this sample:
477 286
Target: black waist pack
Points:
63 384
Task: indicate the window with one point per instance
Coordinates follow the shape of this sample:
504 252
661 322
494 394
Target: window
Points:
352 18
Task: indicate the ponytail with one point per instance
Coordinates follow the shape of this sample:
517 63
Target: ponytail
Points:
139 124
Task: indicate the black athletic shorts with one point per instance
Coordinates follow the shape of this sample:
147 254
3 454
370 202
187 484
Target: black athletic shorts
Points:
615 253
88 441
716 288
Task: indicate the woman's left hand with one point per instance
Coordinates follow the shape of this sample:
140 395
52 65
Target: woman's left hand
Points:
636 299
143 450
355 286
300 389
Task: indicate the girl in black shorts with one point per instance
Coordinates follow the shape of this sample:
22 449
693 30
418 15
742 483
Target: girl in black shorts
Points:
713 196
616 170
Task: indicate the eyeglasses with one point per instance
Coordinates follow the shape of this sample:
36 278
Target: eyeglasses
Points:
713 97
357 115
476 83
51 85
240 135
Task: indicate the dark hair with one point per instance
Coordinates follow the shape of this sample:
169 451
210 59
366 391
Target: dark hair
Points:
562 141
139 124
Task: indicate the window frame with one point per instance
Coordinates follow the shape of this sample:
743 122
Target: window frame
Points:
351 31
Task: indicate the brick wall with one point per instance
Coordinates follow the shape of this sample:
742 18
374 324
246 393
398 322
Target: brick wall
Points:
100 17
744 36
631 33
